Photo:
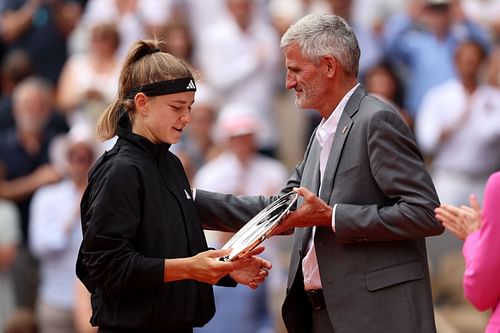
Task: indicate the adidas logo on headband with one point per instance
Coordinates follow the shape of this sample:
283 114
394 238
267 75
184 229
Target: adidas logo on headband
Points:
191 85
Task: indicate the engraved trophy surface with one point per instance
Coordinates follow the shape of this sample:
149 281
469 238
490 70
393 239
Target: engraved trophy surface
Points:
259 227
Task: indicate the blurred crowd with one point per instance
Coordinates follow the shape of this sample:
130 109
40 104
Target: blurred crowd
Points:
436 61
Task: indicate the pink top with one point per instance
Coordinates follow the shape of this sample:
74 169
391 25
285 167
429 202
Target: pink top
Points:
481 251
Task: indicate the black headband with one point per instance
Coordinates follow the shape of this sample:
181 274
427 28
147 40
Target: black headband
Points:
163 87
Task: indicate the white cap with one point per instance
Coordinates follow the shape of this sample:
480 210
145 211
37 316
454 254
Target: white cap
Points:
237 119
60 145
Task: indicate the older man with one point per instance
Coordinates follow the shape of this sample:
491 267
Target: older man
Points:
358 262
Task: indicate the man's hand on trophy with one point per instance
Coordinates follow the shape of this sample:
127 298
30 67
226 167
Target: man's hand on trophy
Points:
313 211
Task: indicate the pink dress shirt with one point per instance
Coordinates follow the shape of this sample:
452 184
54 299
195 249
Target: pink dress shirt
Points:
481 251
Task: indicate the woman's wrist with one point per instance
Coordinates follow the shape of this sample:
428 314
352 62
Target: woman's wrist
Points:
176 269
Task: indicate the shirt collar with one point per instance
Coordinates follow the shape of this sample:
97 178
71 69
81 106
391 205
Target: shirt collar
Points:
327 127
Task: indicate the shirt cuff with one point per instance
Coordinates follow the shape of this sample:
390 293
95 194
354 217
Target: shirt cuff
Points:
333 217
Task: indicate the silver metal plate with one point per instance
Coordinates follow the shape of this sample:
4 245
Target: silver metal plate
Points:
259 227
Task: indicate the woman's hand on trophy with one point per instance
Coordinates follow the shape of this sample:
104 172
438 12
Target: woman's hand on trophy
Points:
251 270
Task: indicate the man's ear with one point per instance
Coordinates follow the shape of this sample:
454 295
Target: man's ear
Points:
331 65
141 102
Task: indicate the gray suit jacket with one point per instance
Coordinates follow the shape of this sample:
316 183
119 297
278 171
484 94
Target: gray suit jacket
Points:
374 268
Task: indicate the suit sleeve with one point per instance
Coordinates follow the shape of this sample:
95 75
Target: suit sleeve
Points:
481 252
227 212
407 212
111 222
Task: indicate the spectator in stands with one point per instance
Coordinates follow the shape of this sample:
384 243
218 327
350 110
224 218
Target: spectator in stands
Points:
241 170
10 237
423 41
24 167
384 82
246 48
89 81
40 28
16 66
458 125
458 129
134 19
55 232
179 40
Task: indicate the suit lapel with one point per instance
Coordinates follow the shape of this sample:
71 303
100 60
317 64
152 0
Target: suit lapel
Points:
343 128
310 177
311 180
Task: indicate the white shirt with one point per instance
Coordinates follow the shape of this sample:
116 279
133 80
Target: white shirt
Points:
52 209
324 135
243 67
226 174
473 148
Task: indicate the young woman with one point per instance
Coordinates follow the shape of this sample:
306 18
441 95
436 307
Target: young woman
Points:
144 256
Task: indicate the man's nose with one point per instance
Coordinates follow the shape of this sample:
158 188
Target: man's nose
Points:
290 82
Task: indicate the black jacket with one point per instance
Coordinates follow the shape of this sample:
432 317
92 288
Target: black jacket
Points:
136 211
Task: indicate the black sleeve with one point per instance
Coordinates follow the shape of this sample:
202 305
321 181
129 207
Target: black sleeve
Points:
111 219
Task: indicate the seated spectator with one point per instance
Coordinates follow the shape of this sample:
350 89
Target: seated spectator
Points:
179 41
383 81
246 47
458 125
55 232
24 167
16 66
134 19
458 128
423 41
10 237
89 80
241 170
41 29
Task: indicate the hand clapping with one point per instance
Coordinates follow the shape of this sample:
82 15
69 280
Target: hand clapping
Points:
461 221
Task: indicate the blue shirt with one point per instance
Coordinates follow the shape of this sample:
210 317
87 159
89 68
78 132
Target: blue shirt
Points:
17 162
427 60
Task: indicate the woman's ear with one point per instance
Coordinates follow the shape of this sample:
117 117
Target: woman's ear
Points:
141 102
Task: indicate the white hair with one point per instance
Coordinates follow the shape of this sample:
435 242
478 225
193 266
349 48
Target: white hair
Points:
323 34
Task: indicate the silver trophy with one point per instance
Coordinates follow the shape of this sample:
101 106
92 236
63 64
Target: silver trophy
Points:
259 227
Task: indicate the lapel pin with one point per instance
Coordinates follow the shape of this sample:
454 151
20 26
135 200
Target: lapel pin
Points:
344 129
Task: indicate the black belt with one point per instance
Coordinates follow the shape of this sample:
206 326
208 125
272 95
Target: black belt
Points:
316 299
